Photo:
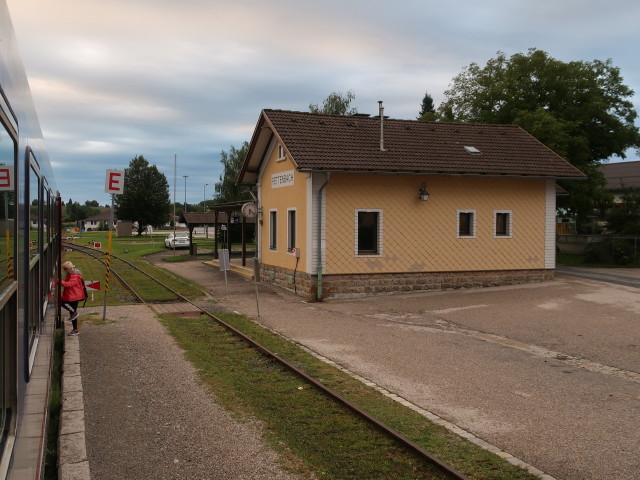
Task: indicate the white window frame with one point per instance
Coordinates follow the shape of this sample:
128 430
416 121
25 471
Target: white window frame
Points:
282 153
273 230
290 247
509 223
380 213
473 223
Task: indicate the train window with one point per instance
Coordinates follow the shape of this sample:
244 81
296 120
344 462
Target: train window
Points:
7 209
35 277
35 217
47 217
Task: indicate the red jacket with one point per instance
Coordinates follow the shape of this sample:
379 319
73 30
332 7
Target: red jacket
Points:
73 287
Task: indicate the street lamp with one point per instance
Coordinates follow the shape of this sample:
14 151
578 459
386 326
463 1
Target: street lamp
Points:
204 208
204 197
185 191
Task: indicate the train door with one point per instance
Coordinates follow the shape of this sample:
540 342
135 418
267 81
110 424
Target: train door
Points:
8 288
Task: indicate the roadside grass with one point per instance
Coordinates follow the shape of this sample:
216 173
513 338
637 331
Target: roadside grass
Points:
147 244
299 420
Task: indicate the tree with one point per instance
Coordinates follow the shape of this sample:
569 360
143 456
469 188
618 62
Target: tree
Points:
146 196
427 110
75 212
227 190
336 103
579 109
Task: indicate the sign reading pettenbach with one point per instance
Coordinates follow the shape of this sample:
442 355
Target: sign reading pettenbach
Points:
282 179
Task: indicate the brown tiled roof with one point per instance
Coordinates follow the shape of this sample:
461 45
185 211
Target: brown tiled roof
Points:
352 143
621 175
198 218
105 216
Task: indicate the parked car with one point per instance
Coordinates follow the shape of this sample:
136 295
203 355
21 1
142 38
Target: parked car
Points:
181 240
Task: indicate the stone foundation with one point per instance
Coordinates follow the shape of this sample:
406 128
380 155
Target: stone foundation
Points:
361 285
301 283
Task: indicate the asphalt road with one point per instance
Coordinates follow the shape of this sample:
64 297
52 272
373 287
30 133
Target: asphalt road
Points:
547 372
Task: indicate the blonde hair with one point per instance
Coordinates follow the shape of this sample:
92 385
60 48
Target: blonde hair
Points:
68 264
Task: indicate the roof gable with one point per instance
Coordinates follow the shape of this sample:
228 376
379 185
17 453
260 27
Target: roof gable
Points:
352 144
103 216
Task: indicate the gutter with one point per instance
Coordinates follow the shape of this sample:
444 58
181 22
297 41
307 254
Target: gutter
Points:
437 174
319 286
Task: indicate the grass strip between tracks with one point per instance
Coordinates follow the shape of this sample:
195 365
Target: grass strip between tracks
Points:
328 440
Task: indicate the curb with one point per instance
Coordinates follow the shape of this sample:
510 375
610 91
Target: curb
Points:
245 271
72 450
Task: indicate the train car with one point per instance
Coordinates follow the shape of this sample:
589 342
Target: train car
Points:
29 264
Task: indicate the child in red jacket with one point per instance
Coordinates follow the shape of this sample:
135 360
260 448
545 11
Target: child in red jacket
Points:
73 293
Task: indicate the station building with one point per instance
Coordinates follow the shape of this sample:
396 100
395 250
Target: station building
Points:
361 205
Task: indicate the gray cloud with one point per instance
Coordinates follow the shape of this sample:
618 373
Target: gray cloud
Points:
115 79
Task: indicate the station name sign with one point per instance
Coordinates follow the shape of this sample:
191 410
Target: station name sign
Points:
282 179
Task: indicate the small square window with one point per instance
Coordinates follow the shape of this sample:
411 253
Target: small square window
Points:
502 223
368 233
282 154
466 224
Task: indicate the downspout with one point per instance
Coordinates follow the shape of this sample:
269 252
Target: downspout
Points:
319 288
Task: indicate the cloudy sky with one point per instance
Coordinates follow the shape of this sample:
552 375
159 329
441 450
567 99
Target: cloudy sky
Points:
119 78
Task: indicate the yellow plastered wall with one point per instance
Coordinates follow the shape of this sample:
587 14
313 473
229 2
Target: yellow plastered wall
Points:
287 196
421 236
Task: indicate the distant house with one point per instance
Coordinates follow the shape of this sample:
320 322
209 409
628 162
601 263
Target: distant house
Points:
620 177
176 220
359 205
104 217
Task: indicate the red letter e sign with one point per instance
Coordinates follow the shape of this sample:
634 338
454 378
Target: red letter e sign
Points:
114 182
6 178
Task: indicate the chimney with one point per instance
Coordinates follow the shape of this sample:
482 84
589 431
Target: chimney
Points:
381 125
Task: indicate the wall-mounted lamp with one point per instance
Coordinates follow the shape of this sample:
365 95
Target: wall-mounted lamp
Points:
423 193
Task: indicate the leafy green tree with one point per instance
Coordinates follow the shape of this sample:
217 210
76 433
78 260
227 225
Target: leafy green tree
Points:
336 103
75 212
624 218
427 109
227 190
146 196
92 203
581 110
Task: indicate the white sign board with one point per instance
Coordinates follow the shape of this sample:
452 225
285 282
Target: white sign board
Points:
114 182
282 179
223 259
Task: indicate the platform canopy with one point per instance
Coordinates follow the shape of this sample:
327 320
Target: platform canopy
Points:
220 214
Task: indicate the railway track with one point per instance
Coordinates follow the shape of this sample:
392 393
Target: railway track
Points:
124 273
125 267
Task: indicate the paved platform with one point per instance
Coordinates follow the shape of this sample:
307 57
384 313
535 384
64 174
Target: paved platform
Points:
629 277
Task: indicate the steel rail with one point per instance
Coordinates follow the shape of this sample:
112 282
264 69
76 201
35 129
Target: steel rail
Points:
409 444
90 253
